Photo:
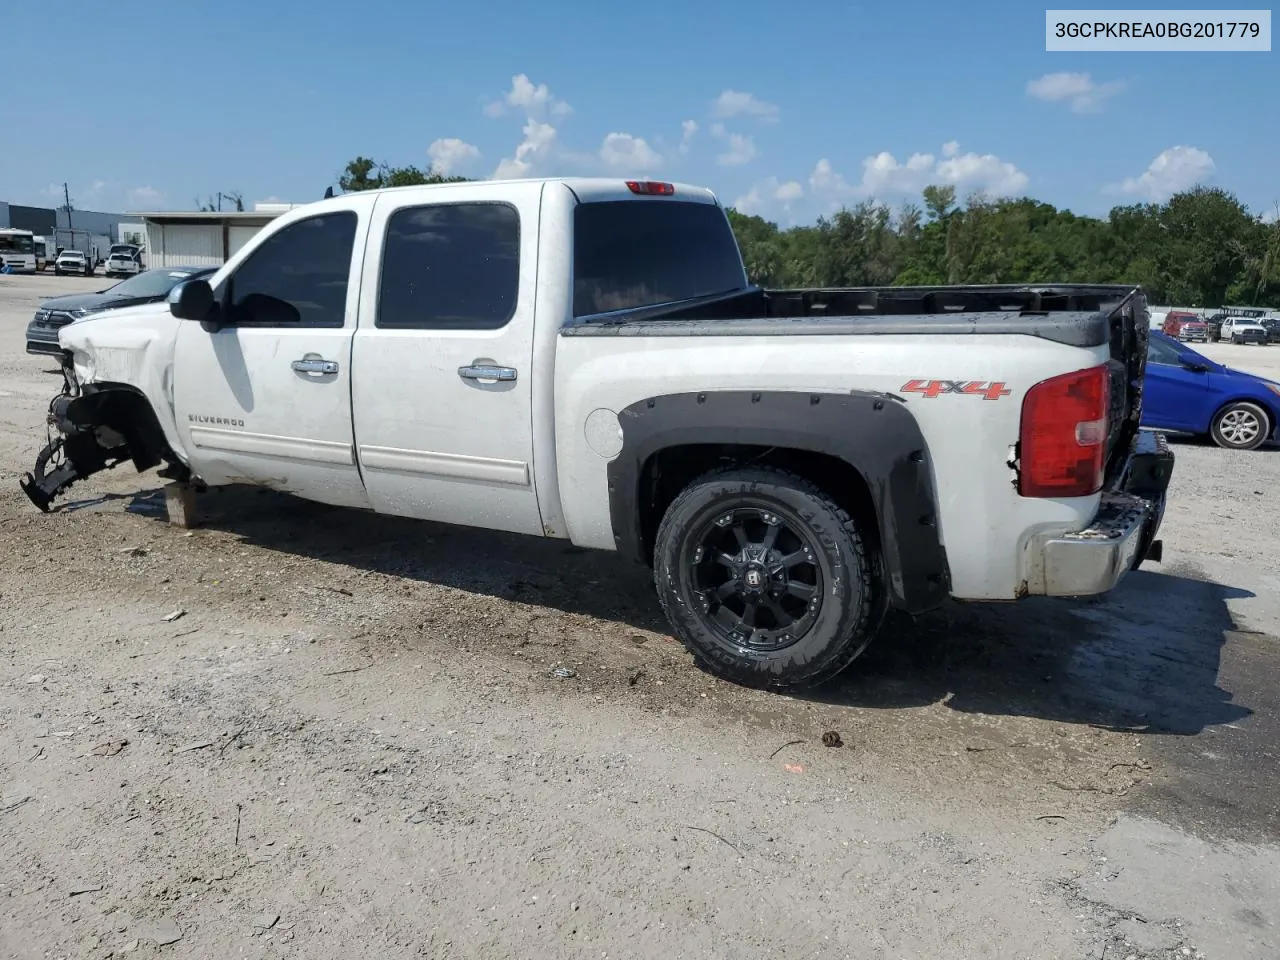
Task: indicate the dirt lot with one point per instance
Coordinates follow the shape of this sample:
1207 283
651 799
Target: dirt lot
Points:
351 743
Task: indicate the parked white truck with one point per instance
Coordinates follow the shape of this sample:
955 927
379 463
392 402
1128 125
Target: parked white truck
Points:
585 359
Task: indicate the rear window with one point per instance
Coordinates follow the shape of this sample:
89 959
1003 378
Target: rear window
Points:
635 253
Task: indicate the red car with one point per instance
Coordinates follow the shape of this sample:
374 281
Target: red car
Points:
1193 330
1174 320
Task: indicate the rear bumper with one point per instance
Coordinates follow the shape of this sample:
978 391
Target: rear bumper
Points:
1123 532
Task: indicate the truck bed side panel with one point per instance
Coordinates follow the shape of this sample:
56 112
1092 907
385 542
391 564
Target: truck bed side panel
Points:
970 438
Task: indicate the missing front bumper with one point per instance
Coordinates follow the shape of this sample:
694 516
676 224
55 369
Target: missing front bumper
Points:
95 429
77 450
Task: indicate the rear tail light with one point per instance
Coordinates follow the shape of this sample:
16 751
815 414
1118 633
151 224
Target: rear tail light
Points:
1063 440
651 188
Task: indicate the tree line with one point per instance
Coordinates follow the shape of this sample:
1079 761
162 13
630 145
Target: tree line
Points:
1202 247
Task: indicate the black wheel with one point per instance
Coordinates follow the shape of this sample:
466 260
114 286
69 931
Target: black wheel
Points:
765 579
1240 426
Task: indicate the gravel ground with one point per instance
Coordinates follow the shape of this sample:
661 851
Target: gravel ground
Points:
351 742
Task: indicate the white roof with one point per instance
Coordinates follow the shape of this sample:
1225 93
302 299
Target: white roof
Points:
587 188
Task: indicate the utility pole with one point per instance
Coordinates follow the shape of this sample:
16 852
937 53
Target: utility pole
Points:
219 201
66 196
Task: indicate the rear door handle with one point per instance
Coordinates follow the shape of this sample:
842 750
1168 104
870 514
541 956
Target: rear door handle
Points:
315 365
484 371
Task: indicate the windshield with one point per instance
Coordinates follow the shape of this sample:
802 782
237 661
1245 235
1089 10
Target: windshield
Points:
71 255
125 249
152 283
16 243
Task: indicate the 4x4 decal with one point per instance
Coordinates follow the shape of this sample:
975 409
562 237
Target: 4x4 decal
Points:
988 390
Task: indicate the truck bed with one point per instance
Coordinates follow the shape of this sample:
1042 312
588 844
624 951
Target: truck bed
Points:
1074 314
1077 315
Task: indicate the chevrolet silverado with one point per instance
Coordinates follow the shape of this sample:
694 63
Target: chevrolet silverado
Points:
586 359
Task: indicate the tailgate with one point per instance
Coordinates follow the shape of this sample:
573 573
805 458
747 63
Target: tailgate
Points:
1128 322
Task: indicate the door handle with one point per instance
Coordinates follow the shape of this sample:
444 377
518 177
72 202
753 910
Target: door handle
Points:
484 371
315 365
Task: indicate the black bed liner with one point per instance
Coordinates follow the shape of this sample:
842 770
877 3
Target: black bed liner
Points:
1078 315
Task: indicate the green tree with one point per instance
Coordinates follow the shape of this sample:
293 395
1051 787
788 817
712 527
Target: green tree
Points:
362 173
1206 236
1260 282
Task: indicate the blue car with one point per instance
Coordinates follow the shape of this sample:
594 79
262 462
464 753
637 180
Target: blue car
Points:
1186 392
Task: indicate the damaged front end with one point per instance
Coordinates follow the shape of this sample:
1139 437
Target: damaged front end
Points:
96 427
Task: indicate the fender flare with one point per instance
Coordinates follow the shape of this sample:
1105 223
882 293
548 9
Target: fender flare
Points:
873 433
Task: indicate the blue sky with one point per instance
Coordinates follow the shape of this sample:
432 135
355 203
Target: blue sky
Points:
787 110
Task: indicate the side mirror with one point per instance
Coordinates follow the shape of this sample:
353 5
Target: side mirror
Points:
191 300
1195 366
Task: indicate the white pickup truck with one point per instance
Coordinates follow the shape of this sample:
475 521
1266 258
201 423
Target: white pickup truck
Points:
585 359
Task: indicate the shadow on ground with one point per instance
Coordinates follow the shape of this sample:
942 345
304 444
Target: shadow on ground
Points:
1145 659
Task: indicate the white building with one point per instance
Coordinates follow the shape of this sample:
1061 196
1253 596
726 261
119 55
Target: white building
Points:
191 238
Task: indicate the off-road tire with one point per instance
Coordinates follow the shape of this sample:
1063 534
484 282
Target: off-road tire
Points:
1221 430
851 599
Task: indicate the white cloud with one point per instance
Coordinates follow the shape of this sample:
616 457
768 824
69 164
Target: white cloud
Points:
1272 215
539 140
623 152
786 192
1175 169
768 195
717 129
140 196
735 103
826 183
449 154
1078 89
687 131
741 150
884 175
534 101
538 146
985 172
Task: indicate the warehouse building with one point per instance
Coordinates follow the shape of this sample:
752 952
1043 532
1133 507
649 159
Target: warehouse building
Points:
90 231
203 238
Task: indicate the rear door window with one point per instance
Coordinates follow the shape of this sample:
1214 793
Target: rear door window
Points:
450 266
636 253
